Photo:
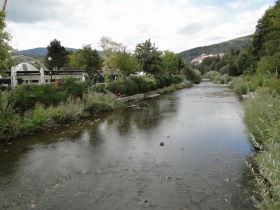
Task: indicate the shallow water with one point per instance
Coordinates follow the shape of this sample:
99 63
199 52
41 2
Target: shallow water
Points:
115 161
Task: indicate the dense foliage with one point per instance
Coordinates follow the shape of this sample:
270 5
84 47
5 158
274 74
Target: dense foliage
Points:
6 61
87 59
150 58
126 62
57 55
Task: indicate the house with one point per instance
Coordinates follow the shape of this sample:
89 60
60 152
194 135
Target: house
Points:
26 73
198 60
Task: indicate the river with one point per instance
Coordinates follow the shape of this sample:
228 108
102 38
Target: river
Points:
115 161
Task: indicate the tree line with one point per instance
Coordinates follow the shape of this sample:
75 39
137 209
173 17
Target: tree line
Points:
115 56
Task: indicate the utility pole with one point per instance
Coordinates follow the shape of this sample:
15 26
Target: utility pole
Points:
4 5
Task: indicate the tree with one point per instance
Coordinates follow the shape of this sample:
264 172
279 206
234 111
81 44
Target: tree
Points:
171 62
57 55
266 38
269 64
149 57
126 62
87 59
6 61
181 64
110 49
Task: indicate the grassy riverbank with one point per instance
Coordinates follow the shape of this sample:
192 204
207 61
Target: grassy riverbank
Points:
255 78
262 117
29 109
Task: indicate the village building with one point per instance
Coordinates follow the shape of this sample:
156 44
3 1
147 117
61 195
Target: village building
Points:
198 60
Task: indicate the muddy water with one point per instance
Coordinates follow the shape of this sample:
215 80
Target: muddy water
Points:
115 161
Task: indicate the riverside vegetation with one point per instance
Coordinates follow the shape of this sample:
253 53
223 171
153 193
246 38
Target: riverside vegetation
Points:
28 109
257 68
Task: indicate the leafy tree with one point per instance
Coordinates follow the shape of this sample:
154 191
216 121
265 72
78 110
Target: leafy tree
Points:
6 61
192 74
57 55
149 57
110 49
181 64
87 59
171 62
269 64
266 38
126 62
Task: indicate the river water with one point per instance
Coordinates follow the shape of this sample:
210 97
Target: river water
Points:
115 161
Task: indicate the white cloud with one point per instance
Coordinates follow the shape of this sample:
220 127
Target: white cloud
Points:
176 25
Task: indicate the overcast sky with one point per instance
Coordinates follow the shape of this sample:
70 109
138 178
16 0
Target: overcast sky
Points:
176 25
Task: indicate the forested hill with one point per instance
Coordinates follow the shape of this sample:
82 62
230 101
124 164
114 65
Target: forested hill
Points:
226 47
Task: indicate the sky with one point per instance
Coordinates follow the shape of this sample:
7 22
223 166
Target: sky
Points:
175 25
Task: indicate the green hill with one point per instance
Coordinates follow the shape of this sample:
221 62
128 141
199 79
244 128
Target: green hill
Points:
225 47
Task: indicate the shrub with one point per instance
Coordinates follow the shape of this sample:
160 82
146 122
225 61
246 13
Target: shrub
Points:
211 75
269 64
9 121
240 86
273 86
25 97
99 102
144 83
73 87
41 116
193 75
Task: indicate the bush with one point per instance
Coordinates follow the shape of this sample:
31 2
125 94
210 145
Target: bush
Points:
193 75
240 86
9 120
269 64
273 86
125 87
25 97
211 75
73 87
145 83
99 102
41 116
142 84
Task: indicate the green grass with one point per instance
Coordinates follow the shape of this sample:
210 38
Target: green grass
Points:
263 121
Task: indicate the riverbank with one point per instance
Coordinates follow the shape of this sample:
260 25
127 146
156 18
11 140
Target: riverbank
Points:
262 117
73 109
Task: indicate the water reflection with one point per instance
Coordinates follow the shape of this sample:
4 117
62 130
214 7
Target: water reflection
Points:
114 161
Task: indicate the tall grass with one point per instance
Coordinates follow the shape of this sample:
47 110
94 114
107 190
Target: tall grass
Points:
99 102
263 121
9 120
41 116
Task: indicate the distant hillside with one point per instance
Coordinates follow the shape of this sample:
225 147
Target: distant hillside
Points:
40 51
235 44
